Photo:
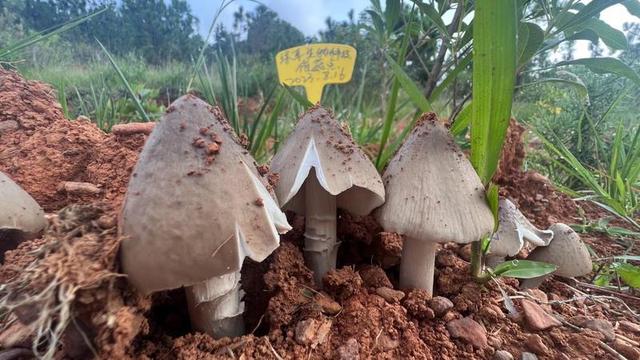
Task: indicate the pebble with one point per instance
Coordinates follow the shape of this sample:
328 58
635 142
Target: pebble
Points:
529 356
536 345
600 325
536 317
468 330
350 350
440 305
328 306
502 355
390 295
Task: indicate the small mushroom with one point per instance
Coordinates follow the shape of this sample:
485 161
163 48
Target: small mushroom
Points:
513 229
192 215
322 159
21 218
433 196
566 251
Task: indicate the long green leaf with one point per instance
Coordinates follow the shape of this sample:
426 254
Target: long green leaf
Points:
592 9
494 69
605 65
429 11
633 7
410 87
529 44
523 269
630 274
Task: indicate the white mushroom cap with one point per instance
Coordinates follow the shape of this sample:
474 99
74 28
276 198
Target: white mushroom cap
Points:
513 229
196 205
18 210
433 192
341 168
566 251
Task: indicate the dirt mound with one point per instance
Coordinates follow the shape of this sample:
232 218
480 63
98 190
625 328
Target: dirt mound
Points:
41 150
532 192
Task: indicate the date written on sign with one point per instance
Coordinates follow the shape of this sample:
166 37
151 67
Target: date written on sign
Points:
313 66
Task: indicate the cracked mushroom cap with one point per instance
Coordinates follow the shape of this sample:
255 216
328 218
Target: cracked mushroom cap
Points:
566 251
513 229
433 192
342 169
19 211
196 205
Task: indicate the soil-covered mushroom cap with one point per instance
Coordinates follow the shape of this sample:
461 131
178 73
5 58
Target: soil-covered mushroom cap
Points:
513 229
342 169
18 210
566 251
433 192
196 205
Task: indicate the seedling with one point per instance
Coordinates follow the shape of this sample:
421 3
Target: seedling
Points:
321 159
433 196
195 208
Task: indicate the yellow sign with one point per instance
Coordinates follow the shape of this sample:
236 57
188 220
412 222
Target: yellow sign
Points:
313 66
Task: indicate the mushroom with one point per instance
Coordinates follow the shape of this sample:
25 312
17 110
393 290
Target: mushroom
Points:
195 208
433 196
322 159
566 251
21 218
513 229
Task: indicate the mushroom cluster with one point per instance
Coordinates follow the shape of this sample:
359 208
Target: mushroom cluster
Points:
21 218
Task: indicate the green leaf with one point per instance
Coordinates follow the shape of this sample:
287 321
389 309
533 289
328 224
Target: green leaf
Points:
392 12
410 87
633 7
577 84
429 11
630 274
592 29
627 257
299 98
605 65
592 9
494 68
530 39
451 76
493 198
523 269
462 121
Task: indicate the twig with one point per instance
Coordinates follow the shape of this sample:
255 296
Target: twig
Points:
626 339
258 325
274 350
612 351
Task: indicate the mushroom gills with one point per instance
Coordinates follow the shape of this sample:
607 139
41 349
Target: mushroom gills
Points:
216 306
320 245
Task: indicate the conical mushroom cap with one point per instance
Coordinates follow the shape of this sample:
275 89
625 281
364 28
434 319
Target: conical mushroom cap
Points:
196 205
513 229
341 167
18 210
433 192
566 251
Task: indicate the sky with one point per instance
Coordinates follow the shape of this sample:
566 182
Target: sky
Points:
309 15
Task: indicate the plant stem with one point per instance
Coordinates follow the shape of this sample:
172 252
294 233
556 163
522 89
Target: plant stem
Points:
477 266
416 268
216 307
320 245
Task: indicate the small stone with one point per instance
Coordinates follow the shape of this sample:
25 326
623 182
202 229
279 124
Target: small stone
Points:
390 295
350 350
465 252
629 326
502 355
374 277
538 294
529 356
468 330
312 332
536 317
536 345
327 305
600 325
8 125
440 305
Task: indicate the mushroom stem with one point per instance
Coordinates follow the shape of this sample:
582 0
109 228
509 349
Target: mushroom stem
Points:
320 246
416 267
477 261
532 283
216 307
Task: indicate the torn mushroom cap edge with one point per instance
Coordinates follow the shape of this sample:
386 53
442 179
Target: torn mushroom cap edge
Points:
19 211
342 169
433 191
513 230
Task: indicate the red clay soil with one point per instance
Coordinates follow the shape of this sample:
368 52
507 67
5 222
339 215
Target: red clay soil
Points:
357 315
